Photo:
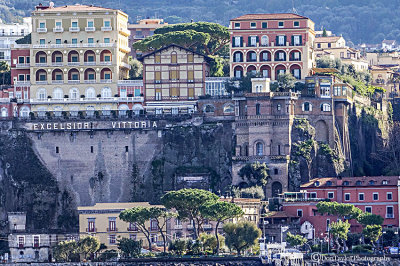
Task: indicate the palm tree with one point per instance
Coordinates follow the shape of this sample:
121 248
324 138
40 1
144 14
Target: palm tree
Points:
4 68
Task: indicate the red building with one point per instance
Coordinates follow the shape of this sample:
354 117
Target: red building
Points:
377 195
271 44
132 91
20 78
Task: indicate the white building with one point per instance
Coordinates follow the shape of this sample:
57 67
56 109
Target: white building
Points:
9 33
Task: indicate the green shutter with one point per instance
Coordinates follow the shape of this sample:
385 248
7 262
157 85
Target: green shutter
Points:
301 40
257 39
285 41
233 42
241 41
276 40
292 43
248 41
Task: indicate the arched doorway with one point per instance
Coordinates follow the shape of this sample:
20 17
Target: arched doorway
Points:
276 189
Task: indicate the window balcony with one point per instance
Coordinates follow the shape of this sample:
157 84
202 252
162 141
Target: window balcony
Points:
72 45
106 63
90 81
207 227
74 81
389 215
41 30
89 63
73 63
124 31
57 64
112 229
123 64
74 29
294 59
41 82
57 82
90 29
153 228
22 83
132 229
91 230
131 99
58 29
23 65
41 64
106 28
106 81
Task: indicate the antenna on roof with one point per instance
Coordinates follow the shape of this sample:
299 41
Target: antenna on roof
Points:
294 10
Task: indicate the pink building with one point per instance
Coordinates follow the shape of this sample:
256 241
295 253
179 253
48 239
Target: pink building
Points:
132 91
20 78
377 195
271 44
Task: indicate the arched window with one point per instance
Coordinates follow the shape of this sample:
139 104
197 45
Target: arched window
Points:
258 111
74 111
138 109
41 94
106 92
90 111
307 107
90 93
4 112
329 183
372 182
259 149
106 110
325 107
42 112
122 109
358 183
74 93
58 111
24 111
58 93
346 183
385 182
316 183
264 40
229 108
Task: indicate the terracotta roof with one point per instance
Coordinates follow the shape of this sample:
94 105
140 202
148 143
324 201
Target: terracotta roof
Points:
269 16
352 181
75 8
174 45
241 200
327 39
325 70
278 214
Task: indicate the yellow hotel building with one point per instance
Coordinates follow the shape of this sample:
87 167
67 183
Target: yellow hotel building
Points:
78 53
101 221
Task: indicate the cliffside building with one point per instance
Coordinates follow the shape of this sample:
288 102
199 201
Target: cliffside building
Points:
271 44
102 221
79 53
174 78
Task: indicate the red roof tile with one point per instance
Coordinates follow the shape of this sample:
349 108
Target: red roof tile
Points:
269 16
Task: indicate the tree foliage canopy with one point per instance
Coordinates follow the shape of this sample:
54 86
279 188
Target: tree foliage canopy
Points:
256 173
241 236
295 240
129 247
343 210
372 232
370 219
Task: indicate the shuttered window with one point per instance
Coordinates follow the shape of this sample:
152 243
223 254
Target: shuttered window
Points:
190 58
173 74
191 93
158 76
158 59
174 92
190 76
174 58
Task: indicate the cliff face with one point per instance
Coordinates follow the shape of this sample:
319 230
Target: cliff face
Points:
204 150
49 174
26 184
309 158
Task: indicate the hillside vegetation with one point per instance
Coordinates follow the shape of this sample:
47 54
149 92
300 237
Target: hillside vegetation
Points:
366 21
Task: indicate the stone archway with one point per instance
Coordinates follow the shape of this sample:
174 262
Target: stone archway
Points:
276 189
